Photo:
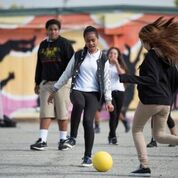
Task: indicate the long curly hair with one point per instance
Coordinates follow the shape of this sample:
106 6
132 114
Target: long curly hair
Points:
162 35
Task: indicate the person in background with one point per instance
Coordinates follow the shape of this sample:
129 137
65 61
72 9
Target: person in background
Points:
89 69
53 56
116 66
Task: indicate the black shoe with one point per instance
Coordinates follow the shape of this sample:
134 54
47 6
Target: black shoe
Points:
61 145
112 140
152 144
97 129
141 171
171 145
70 142
87 162
2 122
7 122
126 125
39 145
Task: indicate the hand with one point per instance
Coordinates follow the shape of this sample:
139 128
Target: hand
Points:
51 97
115 61
109 107
37 89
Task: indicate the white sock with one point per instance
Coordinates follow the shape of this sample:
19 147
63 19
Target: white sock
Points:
43 134
63 135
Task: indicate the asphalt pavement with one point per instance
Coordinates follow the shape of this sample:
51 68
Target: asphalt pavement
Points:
17 160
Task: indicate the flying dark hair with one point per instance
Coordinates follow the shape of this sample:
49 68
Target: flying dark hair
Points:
162 34
89 29
53 22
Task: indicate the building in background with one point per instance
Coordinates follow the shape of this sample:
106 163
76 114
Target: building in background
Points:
22 31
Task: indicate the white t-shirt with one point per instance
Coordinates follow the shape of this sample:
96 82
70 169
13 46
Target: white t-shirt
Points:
87 77
115 82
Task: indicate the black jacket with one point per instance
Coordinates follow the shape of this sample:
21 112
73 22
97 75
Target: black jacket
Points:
157 80
53 58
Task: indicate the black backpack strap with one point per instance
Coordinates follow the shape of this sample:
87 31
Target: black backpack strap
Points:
79 58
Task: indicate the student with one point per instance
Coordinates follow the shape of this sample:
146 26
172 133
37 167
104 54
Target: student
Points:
53 56
89 70
157 82
118 90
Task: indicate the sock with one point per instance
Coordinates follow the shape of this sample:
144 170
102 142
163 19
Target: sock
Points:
43 134
62 135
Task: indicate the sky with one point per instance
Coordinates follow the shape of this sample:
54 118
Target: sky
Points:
75 3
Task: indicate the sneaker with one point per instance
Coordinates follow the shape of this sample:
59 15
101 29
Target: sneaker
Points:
141 171
39 145
97 130
126 125
7 122
152 144
87 162
171 145
112 140
61 145
70 142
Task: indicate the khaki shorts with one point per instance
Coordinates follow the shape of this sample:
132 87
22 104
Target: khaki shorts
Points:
59 108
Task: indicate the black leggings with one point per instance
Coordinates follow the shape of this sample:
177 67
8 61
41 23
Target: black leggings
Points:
117 101
89 102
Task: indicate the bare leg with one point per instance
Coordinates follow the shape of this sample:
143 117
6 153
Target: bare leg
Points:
45 123
62 125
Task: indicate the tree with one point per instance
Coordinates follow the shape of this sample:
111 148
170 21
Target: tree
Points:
176 3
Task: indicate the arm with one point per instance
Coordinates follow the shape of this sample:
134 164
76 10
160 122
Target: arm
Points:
63 79
38 72
69 51
107 88
120 70
66 75
149 65
144 80
107 83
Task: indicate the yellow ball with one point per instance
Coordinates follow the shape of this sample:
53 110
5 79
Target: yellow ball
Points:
102 161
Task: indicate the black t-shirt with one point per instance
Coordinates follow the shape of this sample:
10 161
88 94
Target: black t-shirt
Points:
53 58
